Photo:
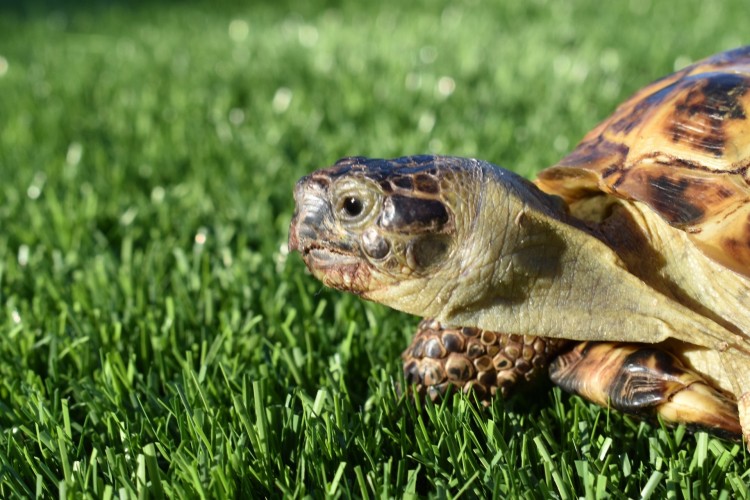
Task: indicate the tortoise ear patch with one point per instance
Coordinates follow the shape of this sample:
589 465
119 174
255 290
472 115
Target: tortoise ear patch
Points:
413 215
428 250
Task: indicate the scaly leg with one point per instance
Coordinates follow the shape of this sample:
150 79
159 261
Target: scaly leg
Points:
645 380
639 379
471 359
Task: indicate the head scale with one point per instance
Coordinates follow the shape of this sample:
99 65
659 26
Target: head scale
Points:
364 224
405 232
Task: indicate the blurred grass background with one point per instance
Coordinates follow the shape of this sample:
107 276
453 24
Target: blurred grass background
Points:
157 340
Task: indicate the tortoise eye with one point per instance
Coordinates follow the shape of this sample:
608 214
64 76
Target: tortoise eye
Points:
352 206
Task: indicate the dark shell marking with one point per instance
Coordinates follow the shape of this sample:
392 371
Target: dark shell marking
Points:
700 115
669 195
681 146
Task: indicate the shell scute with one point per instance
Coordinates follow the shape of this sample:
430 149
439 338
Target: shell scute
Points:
681 146
684 197
701 112
624 122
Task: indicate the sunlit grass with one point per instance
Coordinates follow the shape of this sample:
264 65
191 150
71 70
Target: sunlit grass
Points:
158 339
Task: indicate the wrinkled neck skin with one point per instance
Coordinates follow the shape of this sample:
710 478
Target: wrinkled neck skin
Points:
517 262
522 265
510 251
507 249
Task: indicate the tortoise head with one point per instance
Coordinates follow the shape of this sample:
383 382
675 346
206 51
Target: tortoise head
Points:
367 225
405 232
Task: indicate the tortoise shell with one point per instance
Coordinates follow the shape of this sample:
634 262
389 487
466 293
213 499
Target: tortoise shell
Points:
681 146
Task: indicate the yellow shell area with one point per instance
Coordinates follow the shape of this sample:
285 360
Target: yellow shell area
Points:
682 146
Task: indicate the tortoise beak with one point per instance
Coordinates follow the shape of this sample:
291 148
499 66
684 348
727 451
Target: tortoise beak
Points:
313 231
330 253
311 210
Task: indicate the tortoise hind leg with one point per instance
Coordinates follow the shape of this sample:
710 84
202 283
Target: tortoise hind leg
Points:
644 380
738 368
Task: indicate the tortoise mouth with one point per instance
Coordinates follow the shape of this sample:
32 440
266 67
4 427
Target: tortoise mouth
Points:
337 268
319 256
311 235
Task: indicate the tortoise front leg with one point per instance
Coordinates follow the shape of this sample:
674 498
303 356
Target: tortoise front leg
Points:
644 380
471 359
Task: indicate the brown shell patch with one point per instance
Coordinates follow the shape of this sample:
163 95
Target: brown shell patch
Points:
646 380
668 196
635 389
683 196
700 115
682 146
628 377
627 119
597 151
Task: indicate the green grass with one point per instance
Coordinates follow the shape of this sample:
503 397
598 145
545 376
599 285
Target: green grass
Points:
158 341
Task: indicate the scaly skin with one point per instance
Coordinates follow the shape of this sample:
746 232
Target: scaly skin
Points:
640 235
470 359
646 381
501 255
422 253
641 380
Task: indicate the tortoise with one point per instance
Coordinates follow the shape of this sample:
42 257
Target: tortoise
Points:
623 271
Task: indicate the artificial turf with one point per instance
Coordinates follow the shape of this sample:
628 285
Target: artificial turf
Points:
158 340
